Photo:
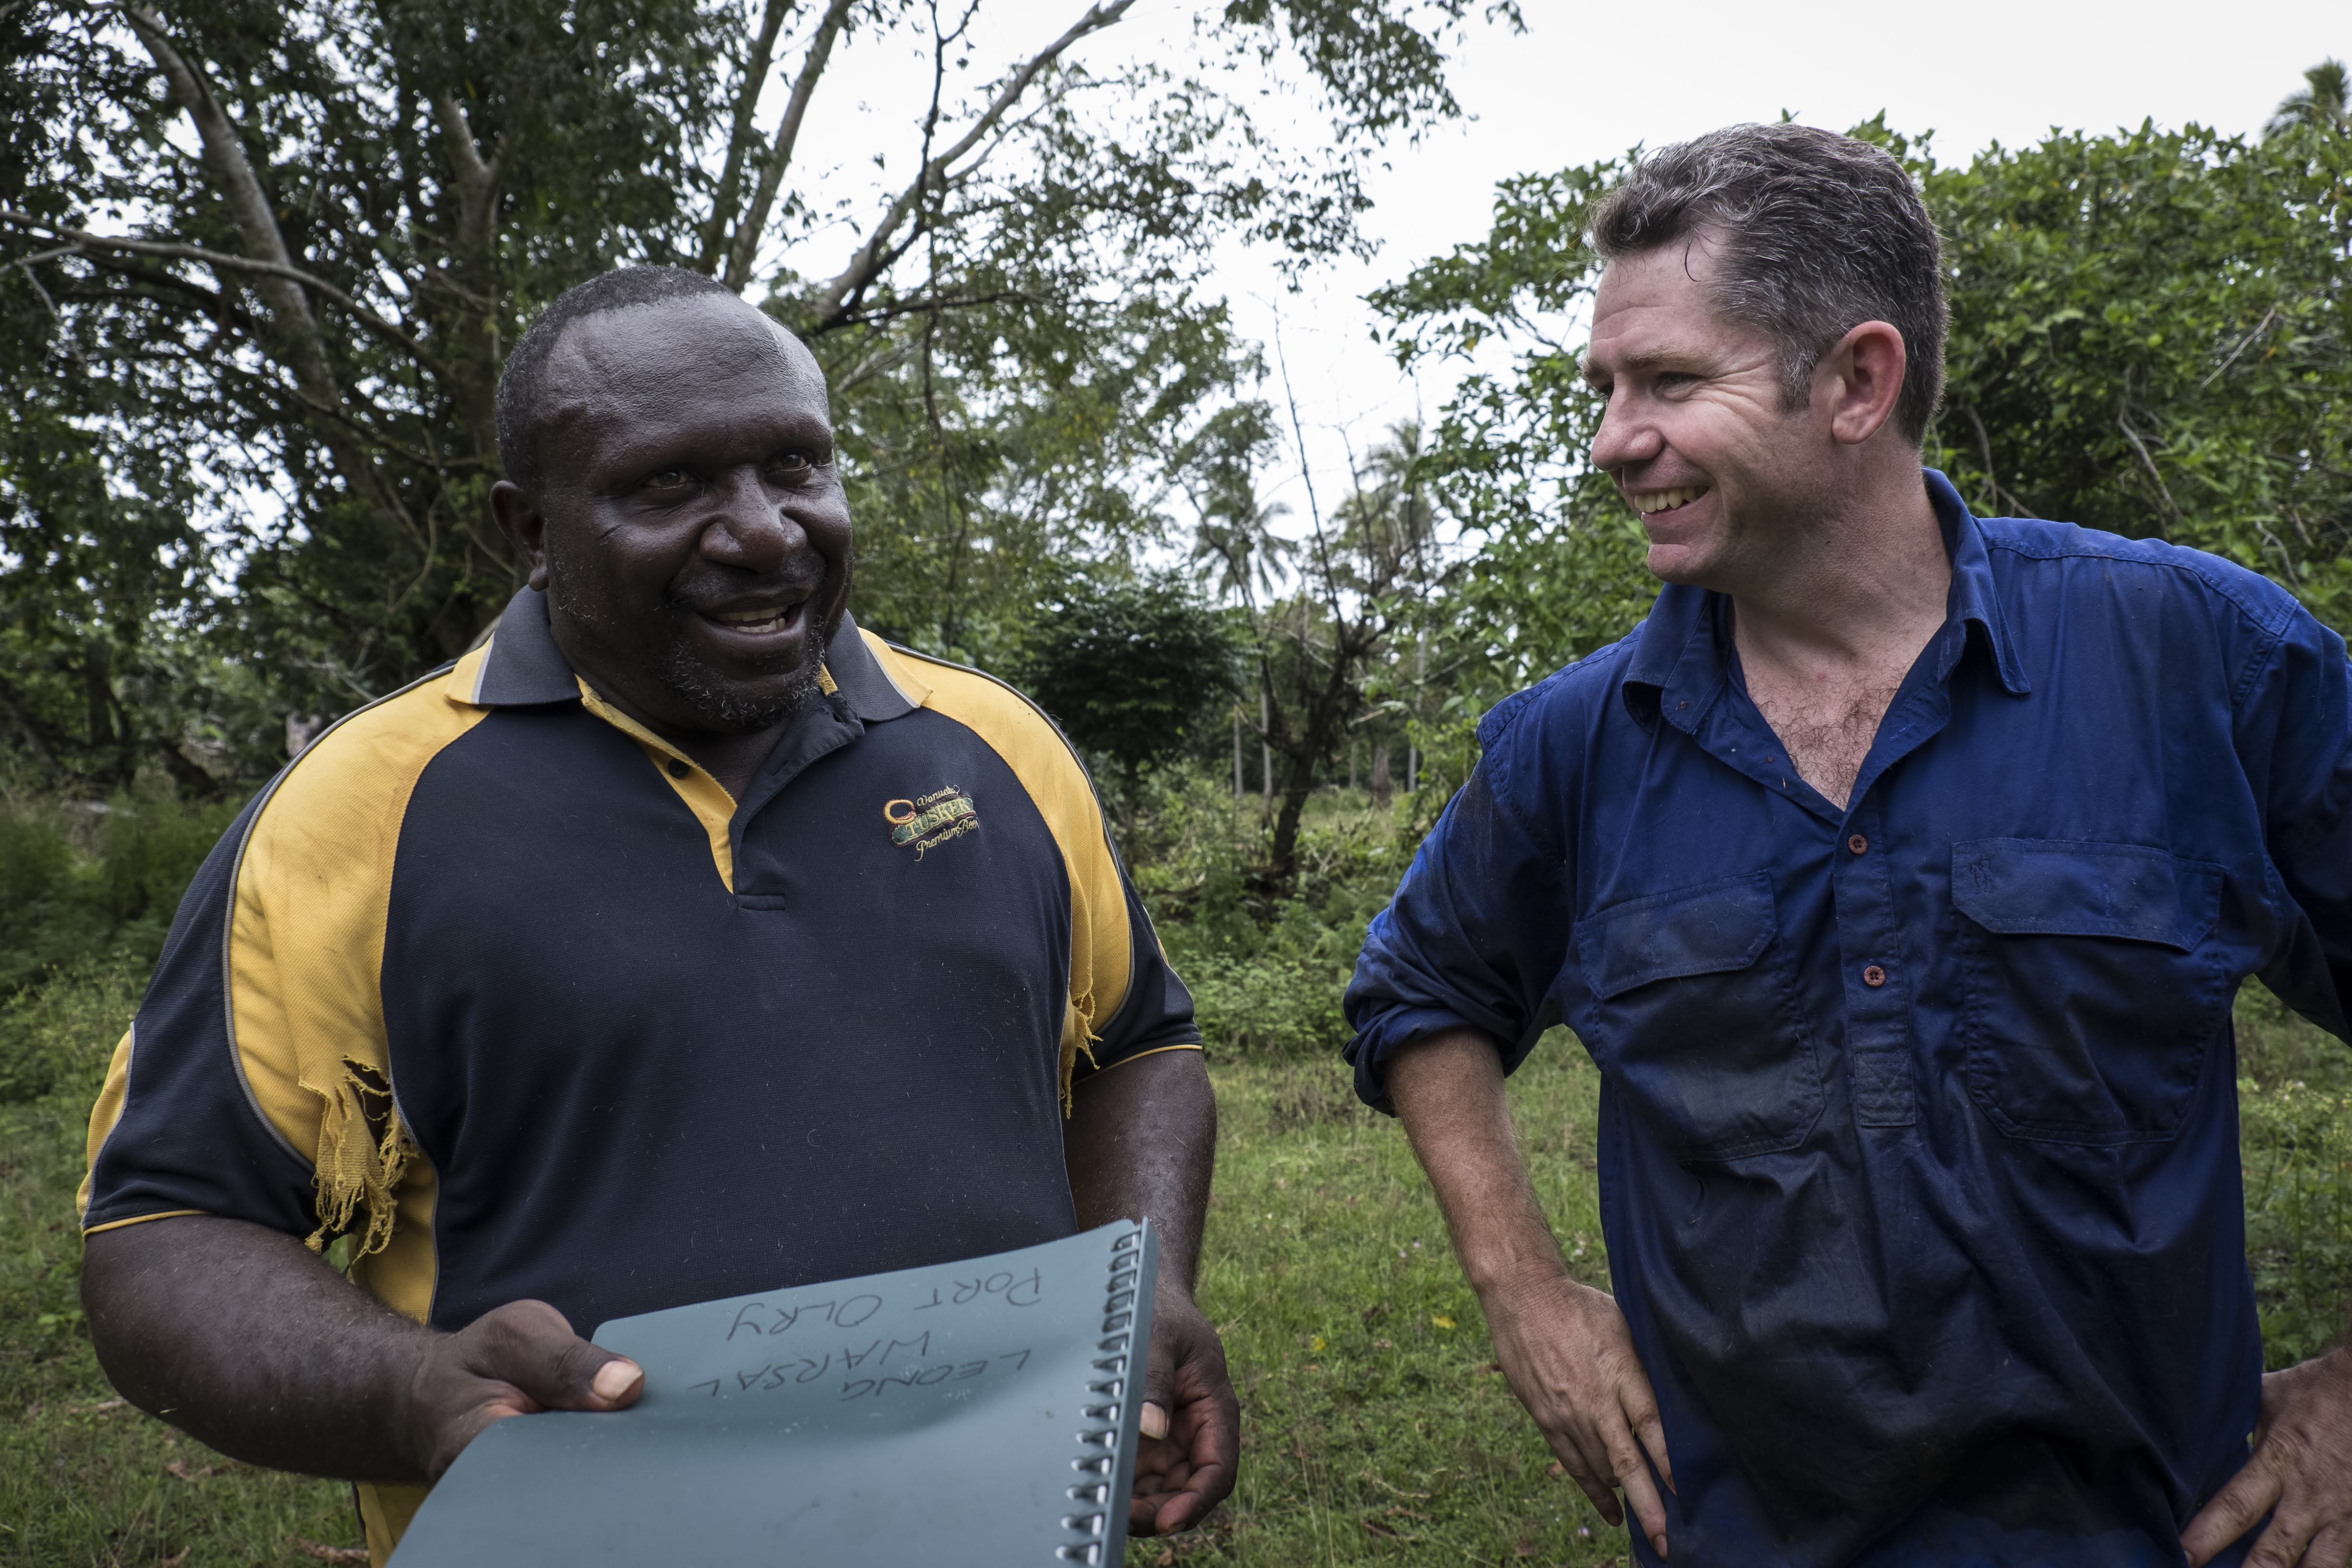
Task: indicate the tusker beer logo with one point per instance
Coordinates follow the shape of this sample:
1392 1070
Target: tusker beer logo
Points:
932 820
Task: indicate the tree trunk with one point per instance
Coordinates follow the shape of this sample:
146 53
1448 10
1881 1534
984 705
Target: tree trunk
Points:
1265 745
1382 783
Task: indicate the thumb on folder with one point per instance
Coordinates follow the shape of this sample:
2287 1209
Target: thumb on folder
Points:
519 1360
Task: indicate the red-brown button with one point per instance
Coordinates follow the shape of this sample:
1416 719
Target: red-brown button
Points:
1873 975
1857 844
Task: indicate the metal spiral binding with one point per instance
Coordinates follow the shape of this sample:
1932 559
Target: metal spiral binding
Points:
1116 1349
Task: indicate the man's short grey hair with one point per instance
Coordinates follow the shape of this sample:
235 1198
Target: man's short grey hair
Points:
1818 234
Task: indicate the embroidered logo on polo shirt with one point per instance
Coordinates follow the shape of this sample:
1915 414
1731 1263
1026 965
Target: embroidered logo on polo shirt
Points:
931 821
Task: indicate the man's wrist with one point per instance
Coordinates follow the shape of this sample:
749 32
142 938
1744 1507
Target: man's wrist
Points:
412 1377
1505 1282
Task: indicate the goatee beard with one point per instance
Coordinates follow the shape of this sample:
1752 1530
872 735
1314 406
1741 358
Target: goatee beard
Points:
722 708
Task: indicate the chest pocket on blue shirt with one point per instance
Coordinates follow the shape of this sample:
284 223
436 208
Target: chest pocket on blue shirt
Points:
2092 994
1696 1015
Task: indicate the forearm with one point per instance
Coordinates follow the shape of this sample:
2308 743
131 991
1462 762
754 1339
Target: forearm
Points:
239 1336
1448 1092
1141 1143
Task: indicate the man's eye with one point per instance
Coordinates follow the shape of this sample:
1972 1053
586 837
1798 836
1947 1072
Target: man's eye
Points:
668 479
1674 377
791 464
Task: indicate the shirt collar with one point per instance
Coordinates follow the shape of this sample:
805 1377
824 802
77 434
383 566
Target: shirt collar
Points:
1974 601
1680 661
520 665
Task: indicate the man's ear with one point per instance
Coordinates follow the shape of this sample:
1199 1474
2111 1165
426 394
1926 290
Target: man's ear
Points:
1862 379
524 525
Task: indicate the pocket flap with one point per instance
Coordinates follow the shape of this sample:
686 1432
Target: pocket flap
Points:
2052 886
1706 930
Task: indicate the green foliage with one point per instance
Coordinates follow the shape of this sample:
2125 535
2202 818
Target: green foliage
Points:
57 1036
2294 1108
85 1479
89 881
1267 962
259 267
1133 669
2152 335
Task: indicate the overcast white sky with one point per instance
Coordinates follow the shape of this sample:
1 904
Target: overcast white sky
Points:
1590 79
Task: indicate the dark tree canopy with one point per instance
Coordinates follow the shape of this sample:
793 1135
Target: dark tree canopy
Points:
1133 670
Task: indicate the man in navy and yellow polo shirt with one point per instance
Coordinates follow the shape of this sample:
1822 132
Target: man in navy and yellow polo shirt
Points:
681 940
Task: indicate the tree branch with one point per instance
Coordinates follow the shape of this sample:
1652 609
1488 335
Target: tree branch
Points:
746 247
81 241
248 204
739 136
869 263
478 180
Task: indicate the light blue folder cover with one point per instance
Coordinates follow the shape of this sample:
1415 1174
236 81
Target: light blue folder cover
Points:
981 1413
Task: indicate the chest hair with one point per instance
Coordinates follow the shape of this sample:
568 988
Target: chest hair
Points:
1828 733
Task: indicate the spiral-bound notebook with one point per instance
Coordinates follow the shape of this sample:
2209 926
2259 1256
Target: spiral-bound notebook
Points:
977 1413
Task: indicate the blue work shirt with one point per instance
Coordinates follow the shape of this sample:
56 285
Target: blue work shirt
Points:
1918 1143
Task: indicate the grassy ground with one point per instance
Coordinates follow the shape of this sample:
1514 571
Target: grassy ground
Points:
1376 1427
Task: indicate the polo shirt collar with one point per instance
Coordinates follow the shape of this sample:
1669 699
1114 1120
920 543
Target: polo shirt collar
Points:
1681 659
520 665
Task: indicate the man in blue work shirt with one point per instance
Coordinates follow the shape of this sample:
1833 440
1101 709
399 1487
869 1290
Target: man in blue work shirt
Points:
1899 873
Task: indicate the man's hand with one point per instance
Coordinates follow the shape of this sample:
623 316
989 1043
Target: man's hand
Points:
1141 1141
1567 1355
2300 1474
1191 1422
518 1359
1563 1346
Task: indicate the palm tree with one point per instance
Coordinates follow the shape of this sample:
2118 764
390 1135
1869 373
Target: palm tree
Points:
1250 558
2319 104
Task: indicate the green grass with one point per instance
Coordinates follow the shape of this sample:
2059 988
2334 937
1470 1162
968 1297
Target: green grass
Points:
84 1479
1376 1429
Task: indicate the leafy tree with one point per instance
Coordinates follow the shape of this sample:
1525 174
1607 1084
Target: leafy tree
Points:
1363 579
262 264
2320 103
1134 670
2152 333
1553 561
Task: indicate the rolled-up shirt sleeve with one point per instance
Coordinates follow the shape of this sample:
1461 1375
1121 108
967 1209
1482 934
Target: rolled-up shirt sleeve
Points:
1475 934
2295 728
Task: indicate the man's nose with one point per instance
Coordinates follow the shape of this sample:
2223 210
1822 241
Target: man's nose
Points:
1625 436
748 528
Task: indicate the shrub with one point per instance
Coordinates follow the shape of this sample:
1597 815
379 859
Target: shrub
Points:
92 882
57 1036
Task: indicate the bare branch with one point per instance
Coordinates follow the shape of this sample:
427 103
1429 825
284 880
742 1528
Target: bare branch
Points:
875 253
780 150
739 136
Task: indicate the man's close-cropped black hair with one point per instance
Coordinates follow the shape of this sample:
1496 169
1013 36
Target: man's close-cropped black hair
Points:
521 383
1819 233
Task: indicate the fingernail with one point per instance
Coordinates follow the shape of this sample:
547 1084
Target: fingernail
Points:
615 1378
1660 1542
1155 1421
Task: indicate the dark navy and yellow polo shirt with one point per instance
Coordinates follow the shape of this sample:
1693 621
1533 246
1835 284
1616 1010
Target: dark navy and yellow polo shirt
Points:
508 989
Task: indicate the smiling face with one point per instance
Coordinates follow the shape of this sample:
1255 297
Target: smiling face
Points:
691 533
1697 434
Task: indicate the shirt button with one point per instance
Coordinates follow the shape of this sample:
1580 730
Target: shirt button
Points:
1857 844
1873 975
679 769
